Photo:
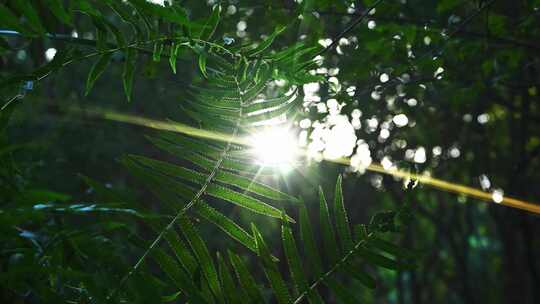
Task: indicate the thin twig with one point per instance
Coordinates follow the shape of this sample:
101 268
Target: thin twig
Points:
112 46
437 29
11 100
396 79
471 17
349 28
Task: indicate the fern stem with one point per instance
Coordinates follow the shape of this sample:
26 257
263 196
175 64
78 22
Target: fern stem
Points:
11 100
135 45
92 42
329 272
71 40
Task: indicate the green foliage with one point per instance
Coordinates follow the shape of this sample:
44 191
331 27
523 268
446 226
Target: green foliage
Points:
233 95
368 250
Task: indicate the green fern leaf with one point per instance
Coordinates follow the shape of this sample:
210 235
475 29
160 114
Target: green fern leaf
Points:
158 50
174 14
171 298
293 259
275 112
224 177
310 248
228 164
246 279
342 222
118 36
168 140
360 232
170 169
266 43
363 277
293 58
167 190
328 236
288 52
181 280
101 32
129 71
379 260
97 70
126 15
203 256
173 55
271 270
295 266
24 7
245 201
231 292
343 293
182 253
391 248
85 7
250 185
211 24
204 162
225 224
207 110
271 102
202 64
56 7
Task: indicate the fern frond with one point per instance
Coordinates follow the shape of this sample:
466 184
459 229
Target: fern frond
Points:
305 285
222 109
348 261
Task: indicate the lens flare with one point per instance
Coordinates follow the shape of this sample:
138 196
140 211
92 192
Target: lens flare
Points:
275 147
278 146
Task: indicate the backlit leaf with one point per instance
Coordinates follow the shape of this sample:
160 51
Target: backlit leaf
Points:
97 70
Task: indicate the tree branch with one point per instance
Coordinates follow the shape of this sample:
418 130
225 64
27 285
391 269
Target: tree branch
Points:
349 28
438 29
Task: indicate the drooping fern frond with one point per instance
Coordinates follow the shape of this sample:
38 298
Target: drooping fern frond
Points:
193 270
231 99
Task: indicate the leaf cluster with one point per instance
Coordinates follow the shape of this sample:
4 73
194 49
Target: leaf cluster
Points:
235 95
